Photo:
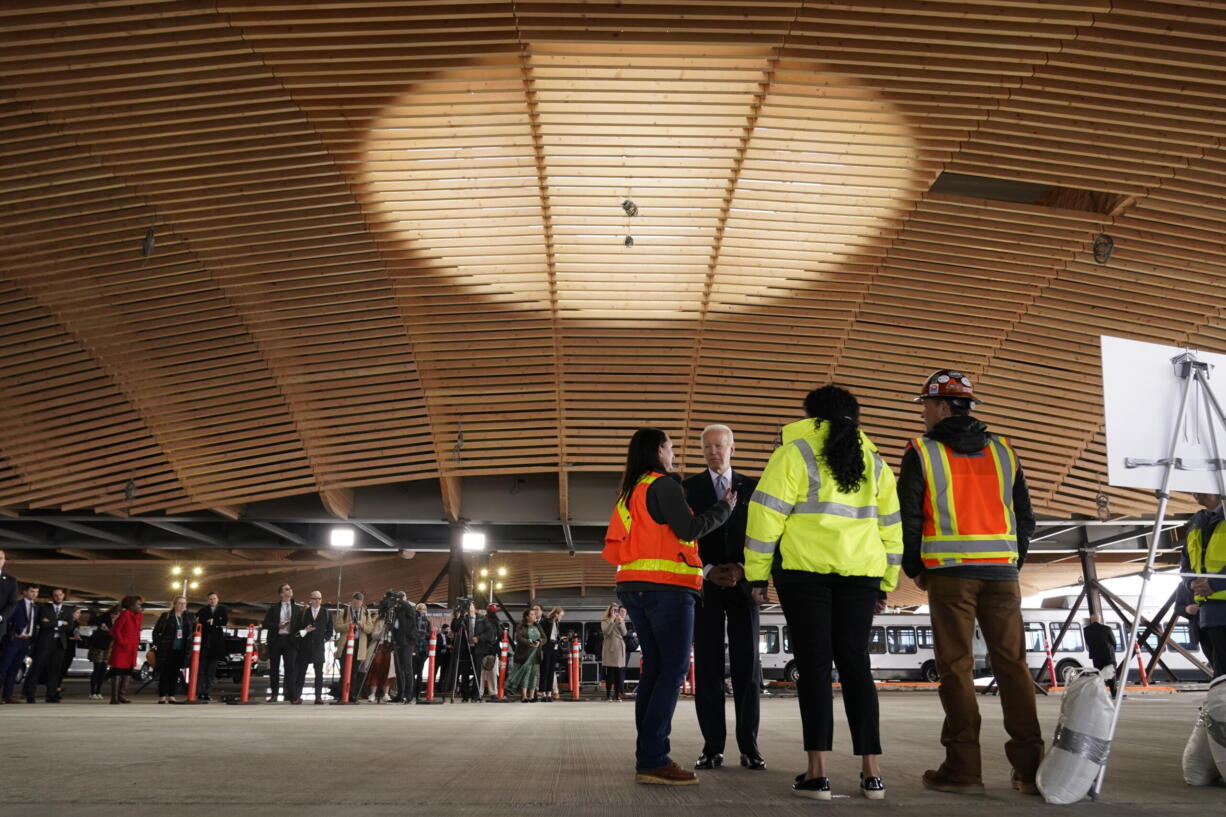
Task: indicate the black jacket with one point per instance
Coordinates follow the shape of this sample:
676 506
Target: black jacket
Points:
52 630
488 632
213 622
964 434
725 544
164 631
1100 643
8 600
405 632
310 647
272 618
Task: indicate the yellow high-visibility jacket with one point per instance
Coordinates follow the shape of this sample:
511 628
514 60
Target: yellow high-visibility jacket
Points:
799 509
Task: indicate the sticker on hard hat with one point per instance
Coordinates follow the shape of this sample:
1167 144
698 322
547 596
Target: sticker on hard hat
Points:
943 378
955 374
966 381
933 389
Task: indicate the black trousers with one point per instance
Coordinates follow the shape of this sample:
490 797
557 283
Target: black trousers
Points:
47 665
170 662
830 618
406 674
1213 644
281 652
304 660
208 672
614 681
96 678
730 610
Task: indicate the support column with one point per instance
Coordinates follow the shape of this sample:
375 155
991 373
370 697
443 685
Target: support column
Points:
456 572
1089 574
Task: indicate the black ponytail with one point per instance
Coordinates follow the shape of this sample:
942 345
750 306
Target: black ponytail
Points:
642 457
842 453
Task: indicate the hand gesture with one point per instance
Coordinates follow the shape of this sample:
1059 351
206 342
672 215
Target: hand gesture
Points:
1192 609
1200 587
759 595
310 628
729 499
879 607
921 581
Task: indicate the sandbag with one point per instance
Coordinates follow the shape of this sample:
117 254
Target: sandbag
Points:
1080 745
1199 767
1214 715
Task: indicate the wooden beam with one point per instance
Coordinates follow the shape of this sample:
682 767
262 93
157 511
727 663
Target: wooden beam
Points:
338 501
452 499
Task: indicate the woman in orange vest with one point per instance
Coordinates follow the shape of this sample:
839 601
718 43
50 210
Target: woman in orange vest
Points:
651 539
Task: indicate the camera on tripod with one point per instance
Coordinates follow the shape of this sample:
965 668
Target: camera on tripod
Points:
461 605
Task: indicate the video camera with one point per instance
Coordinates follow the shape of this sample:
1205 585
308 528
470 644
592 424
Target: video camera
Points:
461 606
388 604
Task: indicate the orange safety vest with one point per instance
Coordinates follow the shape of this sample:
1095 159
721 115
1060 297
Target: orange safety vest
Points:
968 504
645 550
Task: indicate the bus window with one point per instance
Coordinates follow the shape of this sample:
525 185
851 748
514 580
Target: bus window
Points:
1034 636
768 640
1072 639
900 640
925 638
876 641
787 640
1118 632
1182 636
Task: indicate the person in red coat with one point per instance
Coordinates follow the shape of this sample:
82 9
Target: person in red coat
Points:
125 633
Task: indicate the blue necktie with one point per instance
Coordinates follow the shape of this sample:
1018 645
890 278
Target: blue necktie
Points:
721 487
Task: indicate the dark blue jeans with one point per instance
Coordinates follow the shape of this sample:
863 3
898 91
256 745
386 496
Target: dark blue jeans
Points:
664 621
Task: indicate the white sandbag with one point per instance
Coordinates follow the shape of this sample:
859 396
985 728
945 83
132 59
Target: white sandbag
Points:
1199 767
1079 747
1214 715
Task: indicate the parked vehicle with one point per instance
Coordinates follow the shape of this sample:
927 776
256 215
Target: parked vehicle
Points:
899 645
1071 655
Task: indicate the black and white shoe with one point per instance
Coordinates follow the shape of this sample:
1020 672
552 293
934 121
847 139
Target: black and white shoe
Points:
872 787
709 760
814 788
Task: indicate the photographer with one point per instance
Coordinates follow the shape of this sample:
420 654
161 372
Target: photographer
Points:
463 639
404 640
486 651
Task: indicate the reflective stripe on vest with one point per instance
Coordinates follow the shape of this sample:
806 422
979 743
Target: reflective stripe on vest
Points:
964 523
662 557
1208 559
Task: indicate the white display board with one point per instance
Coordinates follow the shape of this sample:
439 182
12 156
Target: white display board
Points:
1141 395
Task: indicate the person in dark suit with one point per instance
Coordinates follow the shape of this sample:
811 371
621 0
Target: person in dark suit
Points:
279 628
312 631
727 604
20 636
8 596
213 619
172 637
56 623
1100 643
404 641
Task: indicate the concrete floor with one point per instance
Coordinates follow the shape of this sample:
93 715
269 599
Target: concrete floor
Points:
88 758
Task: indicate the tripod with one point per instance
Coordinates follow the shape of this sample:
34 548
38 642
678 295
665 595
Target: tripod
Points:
1195 376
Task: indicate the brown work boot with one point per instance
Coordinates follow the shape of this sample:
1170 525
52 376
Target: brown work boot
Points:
942 780
670 775
1025 787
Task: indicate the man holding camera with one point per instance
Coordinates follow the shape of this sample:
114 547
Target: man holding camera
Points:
403 618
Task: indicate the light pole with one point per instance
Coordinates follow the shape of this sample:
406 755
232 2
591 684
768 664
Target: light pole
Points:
489 583
185 578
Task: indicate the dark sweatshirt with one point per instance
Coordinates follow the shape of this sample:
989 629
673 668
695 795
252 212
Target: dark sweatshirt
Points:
667 506
964 434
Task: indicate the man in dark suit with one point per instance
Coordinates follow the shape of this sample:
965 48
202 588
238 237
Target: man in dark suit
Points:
312 630
213 619
726 605
56 623
20 626
279 631
8 596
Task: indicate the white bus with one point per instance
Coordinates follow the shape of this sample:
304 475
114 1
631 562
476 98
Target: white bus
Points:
899 645
1071 654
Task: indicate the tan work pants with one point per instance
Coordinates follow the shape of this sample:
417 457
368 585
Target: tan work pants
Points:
955 606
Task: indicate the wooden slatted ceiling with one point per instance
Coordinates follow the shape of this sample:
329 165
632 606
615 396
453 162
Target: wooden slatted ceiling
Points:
389 241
